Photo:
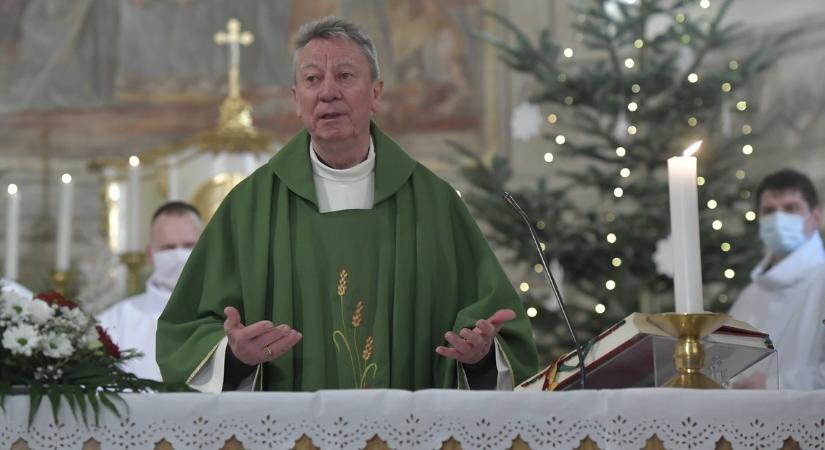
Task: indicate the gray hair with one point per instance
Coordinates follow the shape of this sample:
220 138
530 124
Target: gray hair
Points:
332 27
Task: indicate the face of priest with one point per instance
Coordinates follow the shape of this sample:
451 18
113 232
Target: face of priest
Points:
334 93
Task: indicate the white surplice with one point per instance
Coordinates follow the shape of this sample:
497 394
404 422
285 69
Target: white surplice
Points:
788 302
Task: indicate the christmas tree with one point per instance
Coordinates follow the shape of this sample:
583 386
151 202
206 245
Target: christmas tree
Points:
653 80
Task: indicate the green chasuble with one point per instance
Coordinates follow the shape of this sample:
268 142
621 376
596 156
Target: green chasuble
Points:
372 291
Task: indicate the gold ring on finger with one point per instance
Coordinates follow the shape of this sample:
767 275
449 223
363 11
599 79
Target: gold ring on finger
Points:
267 351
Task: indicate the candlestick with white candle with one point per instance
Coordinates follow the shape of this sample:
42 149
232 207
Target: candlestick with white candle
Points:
64 224
12 232
133 206
684 225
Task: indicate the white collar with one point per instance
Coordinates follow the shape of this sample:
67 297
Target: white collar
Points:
354 173
793 267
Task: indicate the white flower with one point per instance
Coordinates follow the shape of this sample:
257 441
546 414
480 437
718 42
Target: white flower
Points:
57 345
526 121
40 312
14 305
664 256
90 340
76 317
21 339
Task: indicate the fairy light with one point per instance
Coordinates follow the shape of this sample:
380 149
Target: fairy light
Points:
600 309
726 87
729 274
524 287
636 88
568 100
552 118
747 149
692 121
568 52
704 4
680 18
610 217
741 105
712 204
700 181
725 246
693 77
562 77
632 106
540 225
620 151
685 39
733 64
638 43
542 246
560 139
618 192
745 194
746 129
610 285
750 216
611 238
740 174
625 172
723 298
616 262
548 157
631 130
629 63
717 225
538 268
532 312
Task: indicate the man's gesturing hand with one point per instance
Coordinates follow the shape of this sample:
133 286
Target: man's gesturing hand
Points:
260 342
471 346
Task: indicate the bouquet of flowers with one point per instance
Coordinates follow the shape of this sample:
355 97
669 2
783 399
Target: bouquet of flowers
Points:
53 349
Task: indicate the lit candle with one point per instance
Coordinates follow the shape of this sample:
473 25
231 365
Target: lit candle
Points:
684 226
12 232
64 224
133 206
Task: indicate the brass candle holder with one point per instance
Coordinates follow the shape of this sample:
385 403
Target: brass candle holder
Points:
688 355
133 261
60 281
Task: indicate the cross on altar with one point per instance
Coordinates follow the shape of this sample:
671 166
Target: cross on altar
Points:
234 38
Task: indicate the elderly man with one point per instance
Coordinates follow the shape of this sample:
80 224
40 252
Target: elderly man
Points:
132 323
787 295
343 263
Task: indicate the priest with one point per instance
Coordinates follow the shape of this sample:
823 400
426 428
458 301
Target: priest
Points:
343 262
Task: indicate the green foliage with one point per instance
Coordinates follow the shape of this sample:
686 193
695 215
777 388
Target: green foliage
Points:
574 205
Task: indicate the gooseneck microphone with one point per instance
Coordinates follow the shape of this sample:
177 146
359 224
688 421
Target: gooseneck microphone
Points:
512 202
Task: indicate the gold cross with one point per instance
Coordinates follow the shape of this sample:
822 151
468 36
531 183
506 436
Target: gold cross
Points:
234 38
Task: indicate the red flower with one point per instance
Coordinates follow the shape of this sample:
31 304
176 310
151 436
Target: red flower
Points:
56 298
106 340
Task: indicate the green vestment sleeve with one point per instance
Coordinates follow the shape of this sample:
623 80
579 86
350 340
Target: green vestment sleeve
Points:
372 291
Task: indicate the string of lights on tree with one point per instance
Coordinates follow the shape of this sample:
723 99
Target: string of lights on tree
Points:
645 79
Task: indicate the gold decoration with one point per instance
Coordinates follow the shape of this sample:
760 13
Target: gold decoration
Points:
342 283
133 261
360 370
60 280
358 315
211 193
369 346
688 355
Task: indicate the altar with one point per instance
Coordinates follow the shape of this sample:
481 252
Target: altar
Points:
433 419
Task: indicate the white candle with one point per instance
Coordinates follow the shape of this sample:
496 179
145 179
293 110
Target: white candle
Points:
684 225
133 206
174 179
12 232
64 224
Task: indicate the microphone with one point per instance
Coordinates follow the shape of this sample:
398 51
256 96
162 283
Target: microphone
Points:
512 202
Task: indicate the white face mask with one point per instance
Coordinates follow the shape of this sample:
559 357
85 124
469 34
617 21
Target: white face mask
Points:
782 233
168 266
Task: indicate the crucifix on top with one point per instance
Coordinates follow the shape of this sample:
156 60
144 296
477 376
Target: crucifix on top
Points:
234 38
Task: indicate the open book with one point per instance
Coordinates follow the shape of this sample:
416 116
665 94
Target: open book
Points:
637 353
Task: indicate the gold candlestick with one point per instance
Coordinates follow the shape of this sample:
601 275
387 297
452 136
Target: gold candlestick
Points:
688 355
134 262
60 280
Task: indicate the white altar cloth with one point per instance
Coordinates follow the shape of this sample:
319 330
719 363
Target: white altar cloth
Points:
613 419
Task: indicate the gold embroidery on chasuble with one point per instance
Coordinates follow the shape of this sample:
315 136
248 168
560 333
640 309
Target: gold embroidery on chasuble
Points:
359 360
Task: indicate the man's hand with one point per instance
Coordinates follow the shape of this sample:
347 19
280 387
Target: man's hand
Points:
260 342
471 346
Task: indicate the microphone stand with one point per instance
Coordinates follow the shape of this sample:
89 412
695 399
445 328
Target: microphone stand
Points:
512 202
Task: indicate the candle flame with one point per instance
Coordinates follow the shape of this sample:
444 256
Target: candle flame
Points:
66 178
134 161
12 189
692 149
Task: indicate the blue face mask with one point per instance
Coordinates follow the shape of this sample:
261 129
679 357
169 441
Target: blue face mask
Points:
782 233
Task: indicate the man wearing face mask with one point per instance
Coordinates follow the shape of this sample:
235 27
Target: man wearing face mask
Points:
787 295
132 323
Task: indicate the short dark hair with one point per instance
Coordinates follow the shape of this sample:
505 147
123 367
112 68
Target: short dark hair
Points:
175 208
788 180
